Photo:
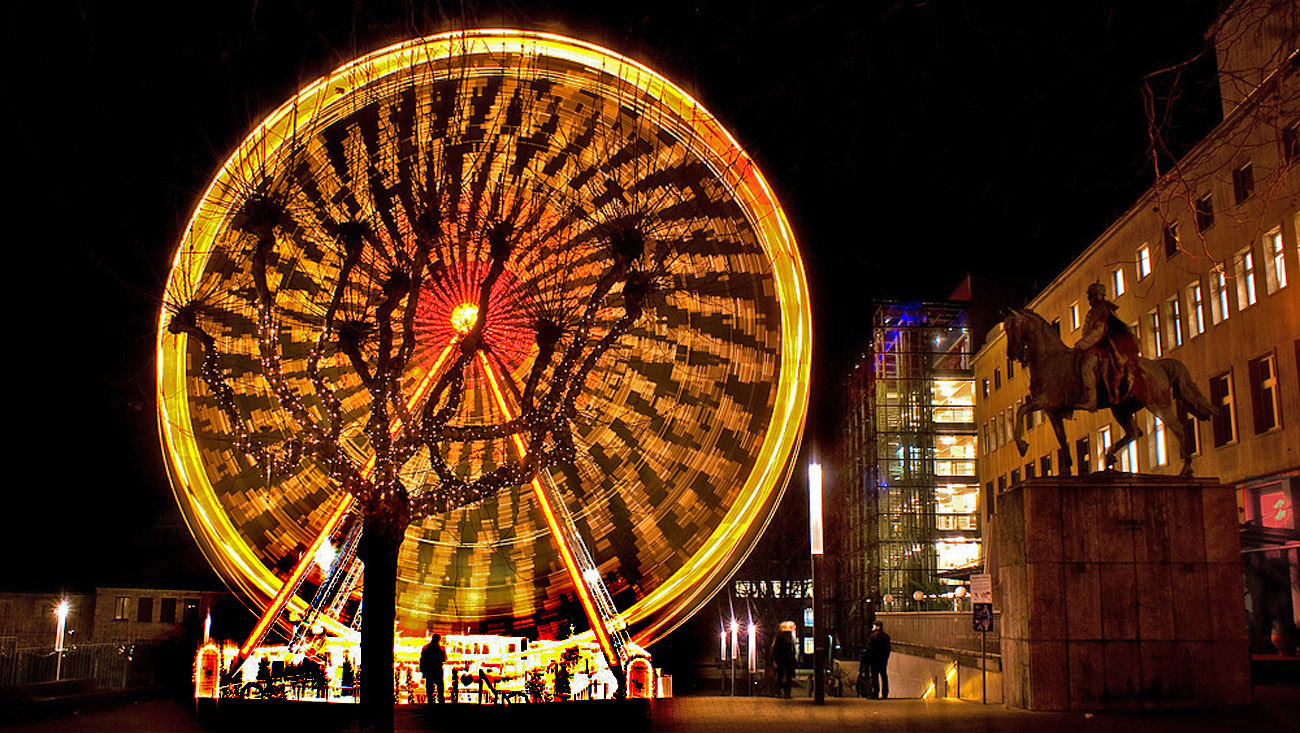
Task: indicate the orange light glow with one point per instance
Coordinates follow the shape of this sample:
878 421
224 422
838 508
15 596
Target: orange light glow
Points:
332 98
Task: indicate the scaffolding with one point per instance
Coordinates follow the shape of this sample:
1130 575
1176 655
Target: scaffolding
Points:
908 448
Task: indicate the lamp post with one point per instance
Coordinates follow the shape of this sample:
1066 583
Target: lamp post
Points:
816 549
735 629
60 613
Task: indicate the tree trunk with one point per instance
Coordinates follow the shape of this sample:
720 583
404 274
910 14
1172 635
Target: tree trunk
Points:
378 550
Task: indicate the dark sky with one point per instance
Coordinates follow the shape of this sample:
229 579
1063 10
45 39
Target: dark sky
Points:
910 143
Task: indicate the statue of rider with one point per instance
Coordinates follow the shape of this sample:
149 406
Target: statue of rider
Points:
1108 350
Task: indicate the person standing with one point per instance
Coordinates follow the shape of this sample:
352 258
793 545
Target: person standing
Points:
877 653
783 658
432 657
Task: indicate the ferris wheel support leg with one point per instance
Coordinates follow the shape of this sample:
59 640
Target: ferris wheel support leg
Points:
292 583
587 583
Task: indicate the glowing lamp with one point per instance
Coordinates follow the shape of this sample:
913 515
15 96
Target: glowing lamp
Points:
463 317
815 507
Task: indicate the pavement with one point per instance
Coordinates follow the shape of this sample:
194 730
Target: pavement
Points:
1276 710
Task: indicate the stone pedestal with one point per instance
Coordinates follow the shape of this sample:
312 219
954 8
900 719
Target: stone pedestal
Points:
1120 590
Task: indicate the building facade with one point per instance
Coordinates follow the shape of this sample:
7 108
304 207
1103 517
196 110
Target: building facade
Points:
906 470
1204 268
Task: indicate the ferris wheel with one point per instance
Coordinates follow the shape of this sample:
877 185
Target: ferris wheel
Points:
678 434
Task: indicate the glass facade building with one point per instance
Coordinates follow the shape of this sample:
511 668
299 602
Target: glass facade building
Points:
910 521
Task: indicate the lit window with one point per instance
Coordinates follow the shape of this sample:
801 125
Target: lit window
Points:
1160 446
1274 261
1218 297
1263 393
1204 212
1246 295
1196 318
1074 316
1103 445
1128 457
1174 308
1243 183
1170 238
1144 261
121 607
1153 325
1117 281
1225 417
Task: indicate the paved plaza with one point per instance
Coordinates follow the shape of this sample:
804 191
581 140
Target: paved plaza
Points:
1277 709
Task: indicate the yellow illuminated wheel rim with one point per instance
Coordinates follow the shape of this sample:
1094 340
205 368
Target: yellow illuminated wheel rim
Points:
687 428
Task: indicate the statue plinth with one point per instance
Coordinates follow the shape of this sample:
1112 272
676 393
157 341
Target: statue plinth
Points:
1121 590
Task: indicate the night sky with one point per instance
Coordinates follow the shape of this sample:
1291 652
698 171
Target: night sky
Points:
911 143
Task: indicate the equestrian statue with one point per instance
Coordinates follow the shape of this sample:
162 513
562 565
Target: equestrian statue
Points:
1103 370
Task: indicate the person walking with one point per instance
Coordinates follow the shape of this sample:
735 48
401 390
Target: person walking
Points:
877 653
783 658
432 657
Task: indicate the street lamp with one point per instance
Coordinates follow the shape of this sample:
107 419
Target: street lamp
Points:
60 613
816 548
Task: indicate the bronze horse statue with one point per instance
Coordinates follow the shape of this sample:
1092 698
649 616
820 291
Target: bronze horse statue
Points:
1163 386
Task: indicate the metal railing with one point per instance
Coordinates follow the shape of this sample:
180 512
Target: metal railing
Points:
110 665
947 631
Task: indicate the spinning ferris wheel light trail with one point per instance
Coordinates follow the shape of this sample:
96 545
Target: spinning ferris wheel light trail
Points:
575 198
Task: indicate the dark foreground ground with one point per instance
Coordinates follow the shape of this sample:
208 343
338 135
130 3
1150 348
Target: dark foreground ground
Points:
1277 710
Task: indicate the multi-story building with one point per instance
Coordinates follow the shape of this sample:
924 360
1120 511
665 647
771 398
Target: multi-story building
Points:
906 474
1205 268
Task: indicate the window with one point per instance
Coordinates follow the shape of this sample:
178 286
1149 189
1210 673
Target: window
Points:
1218 297
121 607
1128 457
1246 295
1074 316
167 611
1135 328
997 379
1225 418
1274 261
1196 316
1174 308
1082 456
1204 209
1159 444
1056 326
989 504
985 387
1117 281
1170 239
1157 338
1263 393
1144 261
1015 476
144 611
1103 445
1192 434
1011 368
1291 143
1243 183
1045 466
190 614
1002 484
1029 470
